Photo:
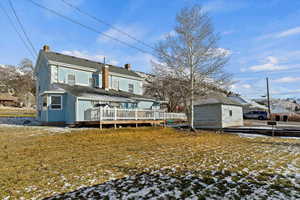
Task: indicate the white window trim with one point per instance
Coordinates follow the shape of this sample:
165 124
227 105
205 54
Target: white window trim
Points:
61 101
82 84
132 87
55 70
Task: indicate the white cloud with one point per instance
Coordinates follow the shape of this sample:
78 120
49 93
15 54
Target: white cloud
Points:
93 57
246 86
223 6
282 34
140 61
271 65
132 30
222 51
288 79
237 87
292 31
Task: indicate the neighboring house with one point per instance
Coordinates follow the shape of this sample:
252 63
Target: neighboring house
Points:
248 105
8 100
68 86
217 111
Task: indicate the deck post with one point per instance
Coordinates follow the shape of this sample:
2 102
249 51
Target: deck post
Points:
164 118
115 116
100 117
136 117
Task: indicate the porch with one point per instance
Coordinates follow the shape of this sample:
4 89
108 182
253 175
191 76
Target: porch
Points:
115 116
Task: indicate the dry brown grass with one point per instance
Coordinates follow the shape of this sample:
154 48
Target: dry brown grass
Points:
37 163
17 112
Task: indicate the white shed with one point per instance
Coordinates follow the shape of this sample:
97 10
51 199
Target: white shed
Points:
217 111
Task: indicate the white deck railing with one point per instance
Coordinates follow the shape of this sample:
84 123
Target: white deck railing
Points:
108 114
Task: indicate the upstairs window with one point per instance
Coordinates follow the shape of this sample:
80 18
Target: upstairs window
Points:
54 74
115 85
71 79
230 113
130 88
56 102
92 82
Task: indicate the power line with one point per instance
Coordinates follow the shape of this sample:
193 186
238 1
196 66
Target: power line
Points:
16 30
107 24
89 27
22 27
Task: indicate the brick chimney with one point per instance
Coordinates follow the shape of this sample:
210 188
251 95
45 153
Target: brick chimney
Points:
46 48
105 74
127 66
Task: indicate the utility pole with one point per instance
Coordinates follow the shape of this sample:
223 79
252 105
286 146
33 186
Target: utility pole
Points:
268 96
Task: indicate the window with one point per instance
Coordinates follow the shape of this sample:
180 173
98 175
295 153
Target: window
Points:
92 82
71 79
54 74
115 85
130 88
56 102
230 113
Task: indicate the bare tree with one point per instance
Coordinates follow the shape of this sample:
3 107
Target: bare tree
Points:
26 66
189 59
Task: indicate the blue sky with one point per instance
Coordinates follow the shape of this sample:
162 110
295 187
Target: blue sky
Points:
263 37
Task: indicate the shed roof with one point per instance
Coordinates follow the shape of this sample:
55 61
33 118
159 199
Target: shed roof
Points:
58 57
215 99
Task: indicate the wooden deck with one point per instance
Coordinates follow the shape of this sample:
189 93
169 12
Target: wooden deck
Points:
121 122
109 116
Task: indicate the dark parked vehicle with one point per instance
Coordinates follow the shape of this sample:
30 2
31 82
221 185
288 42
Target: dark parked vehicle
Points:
260 115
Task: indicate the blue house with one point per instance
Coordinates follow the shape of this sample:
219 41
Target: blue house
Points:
67 87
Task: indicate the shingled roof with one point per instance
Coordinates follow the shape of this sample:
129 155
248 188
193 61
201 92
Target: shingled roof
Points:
62 58
79 91
215 98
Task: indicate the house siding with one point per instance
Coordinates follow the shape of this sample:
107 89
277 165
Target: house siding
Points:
81 77
82 106
237 116
70 109
123 84
42 85
57 115
73 107
208 116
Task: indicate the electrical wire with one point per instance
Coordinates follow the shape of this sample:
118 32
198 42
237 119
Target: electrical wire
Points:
107 24
22 27
89 27
16 30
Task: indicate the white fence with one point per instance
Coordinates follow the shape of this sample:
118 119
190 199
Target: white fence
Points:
108 114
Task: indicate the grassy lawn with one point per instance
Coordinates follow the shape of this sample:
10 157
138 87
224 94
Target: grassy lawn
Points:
40 162
17 112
